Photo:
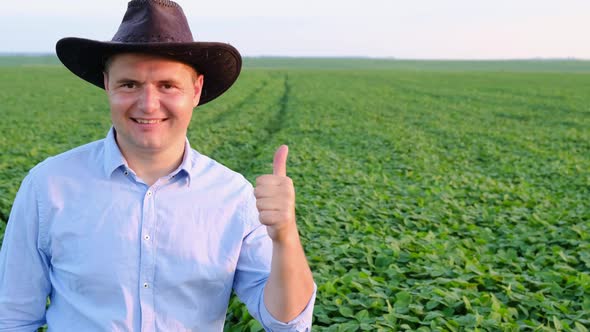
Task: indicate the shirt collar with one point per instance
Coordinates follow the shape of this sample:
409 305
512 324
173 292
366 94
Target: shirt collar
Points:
186 166
113 158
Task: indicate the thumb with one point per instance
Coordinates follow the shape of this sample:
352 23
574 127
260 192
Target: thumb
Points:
279 165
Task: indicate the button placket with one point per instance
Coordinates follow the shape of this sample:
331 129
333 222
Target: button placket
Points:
147 260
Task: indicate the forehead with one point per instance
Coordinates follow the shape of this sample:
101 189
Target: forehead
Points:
132 61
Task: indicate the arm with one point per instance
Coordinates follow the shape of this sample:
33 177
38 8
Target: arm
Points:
24 268
290 285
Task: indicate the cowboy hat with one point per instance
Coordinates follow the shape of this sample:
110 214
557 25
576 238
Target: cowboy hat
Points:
156 27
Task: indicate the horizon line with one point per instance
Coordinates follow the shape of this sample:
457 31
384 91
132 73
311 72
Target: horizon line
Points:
536 58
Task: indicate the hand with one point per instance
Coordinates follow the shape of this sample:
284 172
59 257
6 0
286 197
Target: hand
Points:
275 199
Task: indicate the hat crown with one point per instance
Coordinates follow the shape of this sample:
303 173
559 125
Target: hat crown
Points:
153 21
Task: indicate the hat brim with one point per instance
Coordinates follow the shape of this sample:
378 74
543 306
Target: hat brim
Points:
219 63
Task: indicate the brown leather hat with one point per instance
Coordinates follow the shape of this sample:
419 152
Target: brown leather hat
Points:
155 27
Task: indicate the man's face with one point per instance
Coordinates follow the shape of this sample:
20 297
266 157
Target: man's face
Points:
152 101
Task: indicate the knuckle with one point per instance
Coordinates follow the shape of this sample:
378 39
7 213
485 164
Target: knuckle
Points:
291 194
291 205
284 215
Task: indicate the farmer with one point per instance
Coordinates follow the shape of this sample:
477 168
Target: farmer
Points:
138 231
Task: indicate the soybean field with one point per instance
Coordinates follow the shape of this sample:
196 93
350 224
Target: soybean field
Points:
431 195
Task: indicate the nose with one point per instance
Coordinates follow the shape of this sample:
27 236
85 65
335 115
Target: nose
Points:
149 99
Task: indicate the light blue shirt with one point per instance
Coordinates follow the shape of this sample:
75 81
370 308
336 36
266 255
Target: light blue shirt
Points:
114 254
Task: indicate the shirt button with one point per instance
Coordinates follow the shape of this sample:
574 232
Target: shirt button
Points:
146 285
146 237
149 193
126 173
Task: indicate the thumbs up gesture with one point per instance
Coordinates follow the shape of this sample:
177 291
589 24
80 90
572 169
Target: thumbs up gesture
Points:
275 199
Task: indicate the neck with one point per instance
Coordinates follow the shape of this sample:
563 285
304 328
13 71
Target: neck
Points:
150 165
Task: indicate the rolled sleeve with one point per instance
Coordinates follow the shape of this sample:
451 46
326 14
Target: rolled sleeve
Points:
301 323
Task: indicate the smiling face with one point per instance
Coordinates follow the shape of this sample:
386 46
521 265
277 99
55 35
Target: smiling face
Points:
152 101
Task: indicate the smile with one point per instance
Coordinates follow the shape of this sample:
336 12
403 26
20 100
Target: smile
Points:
148 121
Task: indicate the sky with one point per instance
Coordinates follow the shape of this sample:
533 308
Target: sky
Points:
418 29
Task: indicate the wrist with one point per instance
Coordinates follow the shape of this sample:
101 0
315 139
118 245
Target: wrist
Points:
288 237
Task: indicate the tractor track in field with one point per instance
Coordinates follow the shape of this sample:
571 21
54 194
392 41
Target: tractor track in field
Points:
276 123
273 126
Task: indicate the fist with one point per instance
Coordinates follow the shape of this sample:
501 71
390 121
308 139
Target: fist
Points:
275 199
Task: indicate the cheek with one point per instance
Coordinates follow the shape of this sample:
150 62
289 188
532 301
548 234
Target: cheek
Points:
180 105
119 103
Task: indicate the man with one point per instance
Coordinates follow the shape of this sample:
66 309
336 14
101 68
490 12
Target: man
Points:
138 231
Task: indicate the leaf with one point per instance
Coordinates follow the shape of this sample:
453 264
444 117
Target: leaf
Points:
402 301
346 311
557 324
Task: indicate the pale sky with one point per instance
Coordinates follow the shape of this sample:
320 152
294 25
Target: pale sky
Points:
419 29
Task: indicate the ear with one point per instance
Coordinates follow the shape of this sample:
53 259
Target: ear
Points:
198 88
105 78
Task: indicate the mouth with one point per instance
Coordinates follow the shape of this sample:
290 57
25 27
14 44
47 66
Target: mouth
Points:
148 121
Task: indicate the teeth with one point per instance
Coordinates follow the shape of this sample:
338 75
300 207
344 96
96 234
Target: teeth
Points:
147 121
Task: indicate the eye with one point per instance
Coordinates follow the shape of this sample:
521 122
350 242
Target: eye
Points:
128 85
167 86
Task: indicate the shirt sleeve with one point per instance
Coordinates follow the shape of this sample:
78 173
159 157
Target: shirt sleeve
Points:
253 271
253 268
301 323
24 267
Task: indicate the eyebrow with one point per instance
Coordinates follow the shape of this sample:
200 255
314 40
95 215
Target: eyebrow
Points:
131 80
126 80
169 81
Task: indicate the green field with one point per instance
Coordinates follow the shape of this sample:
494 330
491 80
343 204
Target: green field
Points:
431 196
